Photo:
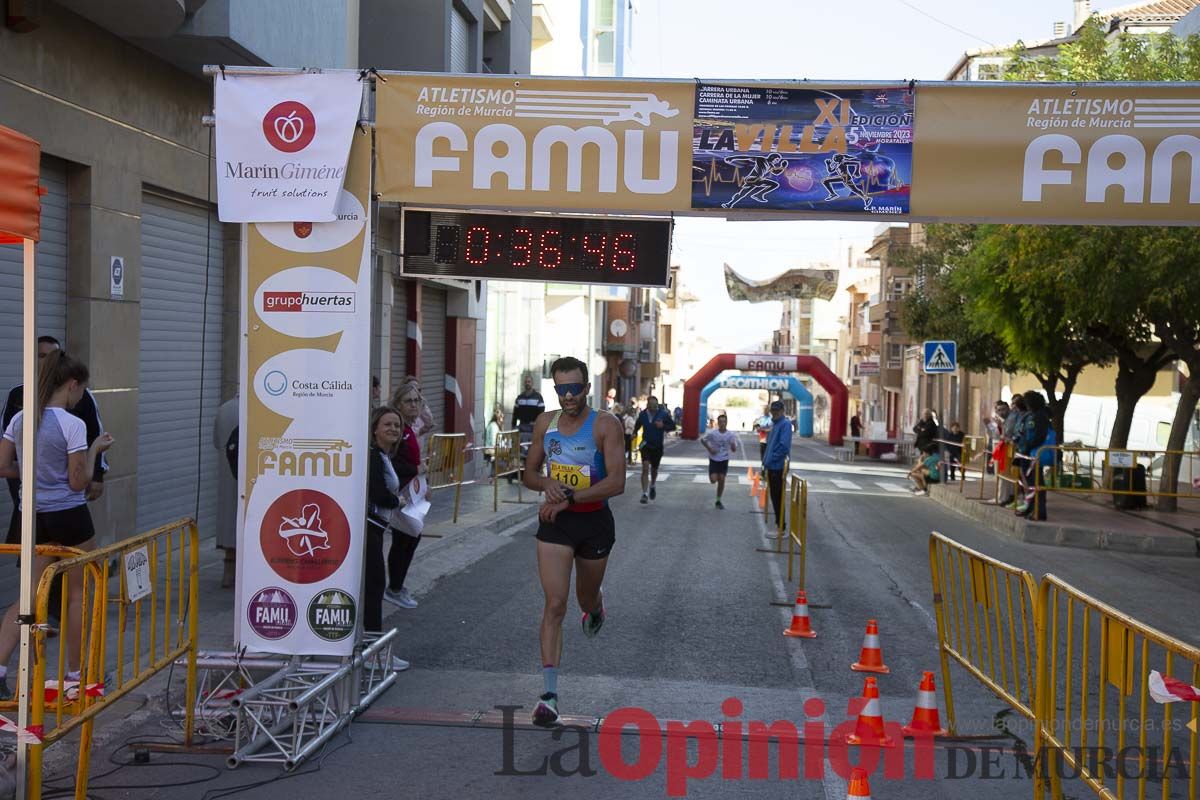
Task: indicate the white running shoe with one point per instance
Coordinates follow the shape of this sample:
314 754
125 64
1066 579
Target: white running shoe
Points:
401 598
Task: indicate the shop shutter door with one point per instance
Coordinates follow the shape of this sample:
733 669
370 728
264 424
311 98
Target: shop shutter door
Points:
460 43
399 361
51 266
433 352
175 412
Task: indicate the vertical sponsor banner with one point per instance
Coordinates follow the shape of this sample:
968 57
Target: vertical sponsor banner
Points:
516 143
305 395
282 144
830 151
1059 153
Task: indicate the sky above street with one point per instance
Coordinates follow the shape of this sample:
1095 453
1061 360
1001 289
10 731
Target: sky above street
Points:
795 39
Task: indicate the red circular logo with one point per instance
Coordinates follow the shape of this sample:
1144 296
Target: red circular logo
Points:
289 126
305 536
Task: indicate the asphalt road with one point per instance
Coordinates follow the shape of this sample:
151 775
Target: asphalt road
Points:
691 623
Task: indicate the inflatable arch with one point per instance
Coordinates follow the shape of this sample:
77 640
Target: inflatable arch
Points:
839 395
770 383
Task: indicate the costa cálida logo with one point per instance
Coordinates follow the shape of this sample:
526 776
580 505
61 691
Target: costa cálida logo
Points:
289 126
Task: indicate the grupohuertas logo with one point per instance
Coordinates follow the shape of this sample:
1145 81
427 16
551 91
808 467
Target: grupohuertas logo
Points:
289 126
332 614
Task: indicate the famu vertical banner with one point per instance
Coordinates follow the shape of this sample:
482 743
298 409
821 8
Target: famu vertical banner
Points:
305 394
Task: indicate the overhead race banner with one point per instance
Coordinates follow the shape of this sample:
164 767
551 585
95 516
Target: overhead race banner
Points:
305 395
282 144
534 143
1058 154
834 151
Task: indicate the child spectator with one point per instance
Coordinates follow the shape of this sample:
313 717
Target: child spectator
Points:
954 451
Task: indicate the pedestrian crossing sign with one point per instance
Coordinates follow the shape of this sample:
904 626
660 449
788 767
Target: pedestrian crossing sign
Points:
941 357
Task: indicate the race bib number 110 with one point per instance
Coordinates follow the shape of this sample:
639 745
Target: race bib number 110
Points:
576 476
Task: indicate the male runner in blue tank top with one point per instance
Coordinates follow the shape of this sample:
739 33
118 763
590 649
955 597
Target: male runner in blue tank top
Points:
584 454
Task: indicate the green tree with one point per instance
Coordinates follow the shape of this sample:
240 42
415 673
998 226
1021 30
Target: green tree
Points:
1110 264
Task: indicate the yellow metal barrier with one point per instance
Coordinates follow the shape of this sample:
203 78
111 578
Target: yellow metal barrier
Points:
986 621
1092 657
164 623
506 460
1009 475
1080 469
447 458
798 527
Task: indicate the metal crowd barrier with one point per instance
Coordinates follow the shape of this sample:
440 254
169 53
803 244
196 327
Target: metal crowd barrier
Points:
447 459
1011 474
506 460
1081 469
1093 709
798 526
974 448
156 625
986 621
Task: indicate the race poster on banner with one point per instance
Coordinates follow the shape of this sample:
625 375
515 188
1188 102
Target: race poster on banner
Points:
831 151
534 143
305 394
282 144
1058 154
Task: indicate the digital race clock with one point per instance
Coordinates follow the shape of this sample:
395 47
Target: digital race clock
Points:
552 248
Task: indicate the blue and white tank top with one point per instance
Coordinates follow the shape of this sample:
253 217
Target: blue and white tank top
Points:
574 460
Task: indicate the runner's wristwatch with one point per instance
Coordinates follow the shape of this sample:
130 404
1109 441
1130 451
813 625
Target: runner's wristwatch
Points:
570 495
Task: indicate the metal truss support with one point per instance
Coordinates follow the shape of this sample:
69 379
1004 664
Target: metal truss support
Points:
282 710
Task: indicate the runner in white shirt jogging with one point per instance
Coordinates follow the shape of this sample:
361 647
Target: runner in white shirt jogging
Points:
720 444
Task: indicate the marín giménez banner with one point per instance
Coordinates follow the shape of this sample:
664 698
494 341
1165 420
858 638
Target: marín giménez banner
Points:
282 145
831 151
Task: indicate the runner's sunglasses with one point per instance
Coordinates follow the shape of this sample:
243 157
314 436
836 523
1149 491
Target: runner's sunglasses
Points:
573 389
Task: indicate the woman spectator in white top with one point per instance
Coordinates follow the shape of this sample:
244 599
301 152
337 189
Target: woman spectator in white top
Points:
65 468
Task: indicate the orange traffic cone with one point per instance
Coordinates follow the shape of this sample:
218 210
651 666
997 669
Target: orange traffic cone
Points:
869 727
762 498
925 714
801 625
860 788
754 484
871 657
749 472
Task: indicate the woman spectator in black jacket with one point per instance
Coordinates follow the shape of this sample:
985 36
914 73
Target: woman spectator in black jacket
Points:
383 489
406 462
1036 431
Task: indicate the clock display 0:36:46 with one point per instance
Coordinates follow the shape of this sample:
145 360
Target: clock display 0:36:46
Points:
480 245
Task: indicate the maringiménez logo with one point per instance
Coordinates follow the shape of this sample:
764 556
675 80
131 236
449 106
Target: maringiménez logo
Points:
289 126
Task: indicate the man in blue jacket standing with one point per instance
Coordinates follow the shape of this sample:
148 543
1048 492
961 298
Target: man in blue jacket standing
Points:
779 447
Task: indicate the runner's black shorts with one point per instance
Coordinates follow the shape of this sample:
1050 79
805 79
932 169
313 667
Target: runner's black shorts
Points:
651 453
718 467
591 534
70 527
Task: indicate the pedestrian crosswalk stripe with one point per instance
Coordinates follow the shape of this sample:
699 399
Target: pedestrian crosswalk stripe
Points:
891 487
698 478
845 484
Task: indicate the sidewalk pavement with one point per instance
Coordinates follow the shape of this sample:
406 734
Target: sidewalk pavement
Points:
445 548
1085 520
